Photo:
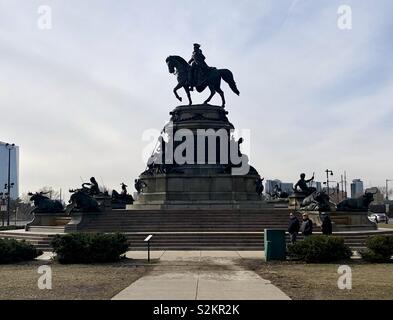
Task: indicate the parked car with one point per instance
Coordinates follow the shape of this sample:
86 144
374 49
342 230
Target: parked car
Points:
379 217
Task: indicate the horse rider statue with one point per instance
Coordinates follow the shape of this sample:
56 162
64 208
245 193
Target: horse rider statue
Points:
197 74
198 67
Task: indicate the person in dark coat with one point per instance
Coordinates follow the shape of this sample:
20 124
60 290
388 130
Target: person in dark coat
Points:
326 225
293 227
306 227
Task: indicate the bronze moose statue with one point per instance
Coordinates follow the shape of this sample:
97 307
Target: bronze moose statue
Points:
43 204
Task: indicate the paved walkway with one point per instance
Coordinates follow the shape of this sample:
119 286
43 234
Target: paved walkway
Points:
200 275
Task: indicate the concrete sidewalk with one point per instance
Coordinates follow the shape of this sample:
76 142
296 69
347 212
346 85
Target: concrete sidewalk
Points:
200 275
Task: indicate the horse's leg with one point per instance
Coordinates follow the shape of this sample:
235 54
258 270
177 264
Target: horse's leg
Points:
212 93
187 90
221 93
175 91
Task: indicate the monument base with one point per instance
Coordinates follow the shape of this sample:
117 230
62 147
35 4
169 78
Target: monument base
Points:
57 220
184 192
199 205
295 200
216 174
61 222
345 220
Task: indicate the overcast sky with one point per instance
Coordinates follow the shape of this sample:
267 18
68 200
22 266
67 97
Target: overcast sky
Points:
77 98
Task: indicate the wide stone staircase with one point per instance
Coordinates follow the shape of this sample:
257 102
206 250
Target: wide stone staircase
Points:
199 229
39 240
190 221
191 230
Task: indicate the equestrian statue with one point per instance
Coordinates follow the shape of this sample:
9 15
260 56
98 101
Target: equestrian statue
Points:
197 74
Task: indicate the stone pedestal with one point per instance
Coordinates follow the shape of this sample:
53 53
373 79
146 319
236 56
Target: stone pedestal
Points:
80 219
344 220
48 219
295 200
352 221
207 179
61 222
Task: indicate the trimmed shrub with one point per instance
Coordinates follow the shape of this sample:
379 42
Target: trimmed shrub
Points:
89 247
12 250
318 248
379 249
372 256
71 248
5 228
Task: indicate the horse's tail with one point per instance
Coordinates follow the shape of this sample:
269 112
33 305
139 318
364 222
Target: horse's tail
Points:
227 76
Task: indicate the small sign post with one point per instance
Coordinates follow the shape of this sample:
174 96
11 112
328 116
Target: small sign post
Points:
148 238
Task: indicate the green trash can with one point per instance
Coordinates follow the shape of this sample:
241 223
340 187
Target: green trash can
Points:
275 245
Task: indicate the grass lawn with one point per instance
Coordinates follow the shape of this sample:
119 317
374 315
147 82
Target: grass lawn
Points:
319 281
385 226
100 281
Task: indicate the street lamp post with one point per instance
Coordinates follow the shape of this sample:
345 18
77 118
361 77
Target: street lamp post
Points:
387 189
2 205
9 147
327 179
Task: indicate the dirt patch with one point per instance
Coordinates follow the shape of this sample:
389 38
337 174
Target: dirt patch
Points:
385 226
91 282
319 281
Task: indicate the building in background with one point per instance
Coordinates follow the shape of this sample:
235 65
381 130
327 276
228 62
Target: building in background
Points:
269 185
316 184
335 193
285 186
357 189
14 169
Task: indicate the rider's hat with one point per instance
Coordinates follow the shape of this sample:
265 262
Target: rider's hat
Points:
197 45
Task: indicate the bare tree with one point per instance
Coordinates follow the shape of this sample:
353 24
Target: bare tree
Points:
50 192
24 198
383 191
21 209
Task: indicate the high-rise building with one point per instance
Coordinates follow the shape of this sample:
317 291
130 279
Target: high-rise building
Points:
287 187
270 184
357 189
284 186
316 184
14 172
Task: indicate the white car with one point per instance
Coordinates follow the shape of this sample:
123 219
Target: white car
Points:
379 217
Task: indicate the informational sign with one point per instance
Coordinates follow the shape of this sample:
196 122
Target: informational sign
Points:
148 237
3 207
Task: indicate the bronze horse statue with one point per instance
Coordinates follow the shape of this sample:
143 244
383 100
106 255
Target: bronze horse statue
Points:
212 79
